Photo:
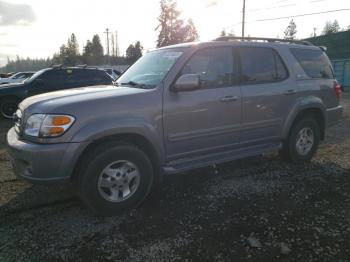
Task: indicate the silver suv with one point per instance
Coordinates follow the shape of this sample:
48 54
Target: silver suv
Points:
177 108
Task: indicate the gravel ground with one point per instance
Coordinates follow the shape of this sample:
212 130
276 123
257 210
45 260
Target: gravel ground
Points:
256 209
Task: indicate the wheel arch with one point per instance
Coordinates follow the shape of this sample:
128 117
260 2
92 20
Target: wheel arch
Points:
316 112
134 139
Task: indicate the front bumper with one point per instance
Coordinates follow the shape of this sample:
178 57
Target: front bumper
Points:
42 163
333 115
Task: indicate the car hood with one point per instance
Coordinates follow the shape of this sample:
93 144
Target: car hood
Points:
77 95
11 85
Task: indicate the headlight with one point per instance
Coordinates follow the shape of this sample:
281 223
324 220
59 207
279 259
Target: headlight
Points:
40 125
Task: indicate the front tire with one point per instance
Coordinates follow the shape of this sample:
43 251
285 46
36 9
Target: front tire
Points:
8 107
302 142
114 178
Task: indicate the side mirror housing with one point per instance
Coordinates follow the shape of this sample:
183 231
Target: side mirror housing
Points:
187 82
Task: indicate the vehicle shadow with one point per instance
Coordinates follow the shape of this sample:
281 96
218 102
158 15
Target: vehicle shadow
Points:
189 212
5 125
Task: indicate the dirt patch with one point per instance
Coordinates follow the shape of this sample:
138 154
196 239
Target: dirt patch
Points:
256 209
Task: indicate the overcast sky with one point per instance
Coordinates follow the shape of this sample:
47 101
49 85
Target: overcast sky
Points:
37 28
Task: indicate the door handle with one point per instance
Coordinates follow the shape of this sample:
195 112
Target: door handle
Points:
290 92
229 99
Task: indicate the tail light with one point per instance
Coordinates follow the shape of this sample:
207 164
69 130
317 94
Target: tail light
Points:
337 89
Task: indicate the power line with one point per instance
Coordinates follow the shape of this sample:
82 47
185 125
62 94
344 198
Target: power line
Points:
282 4
292 16
107 33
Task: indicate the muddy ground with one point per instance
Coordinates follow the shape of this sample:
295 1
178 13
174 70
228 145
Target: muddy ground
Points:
256 209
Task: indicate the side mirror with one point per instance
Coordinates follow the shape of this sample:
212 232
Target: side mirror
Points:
187 82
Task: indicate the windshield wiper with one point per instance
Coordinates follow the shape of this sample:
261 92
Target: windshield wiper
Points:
132 83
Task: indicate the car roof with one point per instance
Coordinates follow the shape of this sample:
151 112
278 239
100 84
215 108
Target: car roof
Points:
240 43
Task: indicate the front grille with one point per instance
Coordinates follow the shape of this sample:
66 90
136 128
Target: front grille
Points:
18 121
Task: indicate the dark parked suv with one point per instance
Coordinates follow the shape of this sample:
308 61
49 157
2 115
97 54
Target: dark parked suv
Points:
48 80
177 108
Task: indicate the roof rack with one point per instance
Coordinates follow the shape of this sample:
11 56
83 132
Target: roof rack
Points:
87 66
57 66
275 40
83 66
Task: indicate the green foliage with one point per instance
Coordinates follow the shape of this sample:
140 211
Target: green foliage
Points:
331 28
290 31
172 29
27 64
69 53
134 52
224 33
93 52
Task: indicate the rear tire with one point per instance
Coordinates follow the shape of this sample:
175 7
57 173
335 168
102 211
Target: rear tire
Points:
114 178
302 142
8 107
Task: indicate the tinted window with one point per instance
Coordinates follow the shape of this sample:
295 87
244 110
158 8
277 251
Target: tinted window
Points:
74 77
261 65
18 76
314 62
99 77
214 65
51 79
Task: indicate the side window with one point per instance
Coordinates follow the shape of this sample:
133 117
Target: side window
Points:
314 62
98 77
261 65
214 65
19 76
280 68
51 79
74 77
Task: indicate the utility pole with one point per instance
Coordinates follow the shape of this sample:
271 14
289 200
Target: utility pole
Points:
112 42
116 44
243 18
315 31
107 33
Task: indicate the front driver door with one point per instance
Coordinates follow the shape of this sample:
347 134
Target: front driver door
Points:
46 82
205 120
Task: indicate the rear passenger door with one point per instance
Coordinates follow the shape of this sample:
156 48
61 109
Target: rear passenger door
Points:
74 78
268 94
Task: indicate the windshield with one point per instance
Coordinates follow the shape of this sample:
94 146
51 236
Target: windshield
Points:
16 76
150 69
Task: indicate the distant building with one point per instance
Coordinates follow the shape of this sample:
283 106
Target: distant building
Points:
338 51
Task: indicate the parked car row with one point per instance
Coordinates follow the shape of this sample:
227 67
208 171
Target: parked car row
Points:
48 80
16 78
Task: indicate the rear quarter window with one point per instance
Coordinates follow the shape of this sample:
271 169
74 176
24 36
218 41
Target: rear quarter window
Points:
314 62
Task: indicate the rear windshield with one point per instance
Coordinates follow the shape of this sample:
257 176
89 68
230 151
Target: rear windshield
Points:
314 62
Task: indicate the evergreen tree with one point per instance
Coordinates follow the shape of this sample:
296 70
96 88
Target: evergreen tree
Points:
190 32
134 52
93 51
69 53
224 33
290 31
331 28
97 50
172 29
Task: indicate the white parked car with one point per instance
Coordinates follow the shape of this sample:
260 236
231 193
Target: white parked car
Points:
16 78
